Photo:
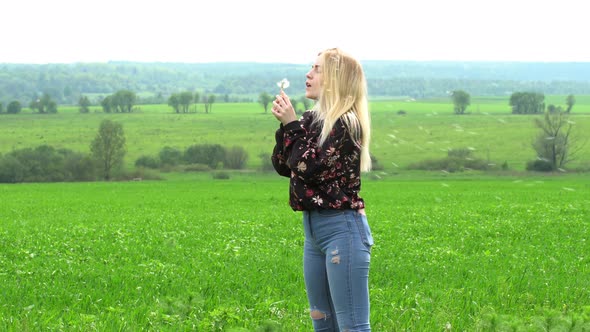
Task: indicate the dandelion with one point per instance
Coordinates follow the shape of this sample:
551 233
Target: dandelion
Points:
283 84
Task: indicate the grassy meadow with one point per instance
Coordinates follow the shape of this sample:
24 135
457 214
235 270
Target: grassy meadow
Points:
427 131
454 252
196 254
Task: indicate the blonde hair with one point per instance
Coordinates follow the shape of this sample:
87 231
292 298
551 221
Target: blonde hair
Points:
344 96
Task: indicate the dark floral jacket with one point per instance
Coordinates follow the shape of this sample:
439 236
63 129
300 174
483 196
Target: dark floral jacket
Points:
322 177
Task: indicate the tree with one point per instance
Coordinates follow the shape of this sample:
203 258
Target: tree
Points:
185 99
108 147
44 104
1 107
208 101
174 102
461 100
570 101
124 100
107 104
553 143
84 104
14 107
264 99
196 98
527 102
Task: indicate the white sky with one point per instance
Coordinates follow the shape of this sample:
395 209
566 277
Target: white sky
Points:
49 31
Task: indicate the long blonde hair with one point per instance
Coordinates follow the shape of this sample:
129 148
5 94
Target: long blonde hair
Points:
344 95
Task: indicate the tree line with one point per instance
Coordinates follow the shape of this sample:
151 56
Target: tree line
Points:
156 82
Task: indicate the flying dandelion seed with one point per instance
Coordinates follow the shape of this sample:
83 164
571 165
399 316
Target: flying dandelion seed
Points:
444 185
445 171
571 122
392 136
561 170
502 120
568 189
485 113
498 198
471 148
394 164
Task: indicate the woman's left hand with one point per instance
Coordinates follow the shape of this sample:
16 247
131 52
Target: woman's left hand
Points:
283 110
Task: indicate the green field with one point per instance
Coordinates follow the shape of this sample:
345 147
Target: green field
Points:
192 253
502 251
427 131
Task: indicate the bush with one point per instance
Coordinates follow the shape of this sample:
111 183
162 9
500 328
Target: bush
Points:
457 160
375 165
11 170
221 175
46 164
197 168
208 154
235 158
539 165
170 156
147 162
266 162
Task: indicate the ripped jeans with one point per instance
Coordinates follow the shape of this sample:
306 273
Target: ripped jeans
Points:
336 259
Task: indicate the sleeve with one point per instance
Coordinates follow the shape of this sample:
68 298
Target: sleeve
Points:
278 158
315 164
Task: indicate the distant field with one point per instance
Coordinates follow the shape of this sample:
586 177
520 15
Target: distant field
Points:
427 131
192 253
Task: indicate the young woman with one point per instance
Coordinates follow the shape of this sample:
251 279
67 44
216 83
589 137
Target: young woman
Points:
324 153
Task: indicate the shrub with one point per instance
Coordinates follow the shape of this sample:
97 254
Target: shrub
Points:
221 175
457 160
46 164
266 162
539 165
375 165
209 154
236 158
11 170
170 156
197 168
147 162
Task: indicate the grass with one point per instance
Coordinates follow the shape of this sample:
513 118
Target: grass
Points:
427 131
465 253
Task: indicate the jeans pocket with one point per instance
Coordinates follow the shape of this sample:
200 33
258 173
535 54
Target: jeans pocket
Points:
365 230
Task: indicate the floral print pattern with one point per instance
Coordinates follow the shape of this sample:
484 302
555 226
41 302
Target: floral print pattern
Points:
322 177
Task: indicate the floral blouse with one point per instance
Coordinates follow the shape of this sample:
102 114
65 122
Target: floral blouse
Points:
322 177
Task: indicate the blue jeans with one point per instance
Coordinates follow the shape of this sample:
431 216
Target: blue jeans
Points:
336 259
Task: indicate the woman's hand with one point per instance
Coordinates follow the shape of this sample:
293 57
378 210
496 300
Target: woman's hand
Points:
282 109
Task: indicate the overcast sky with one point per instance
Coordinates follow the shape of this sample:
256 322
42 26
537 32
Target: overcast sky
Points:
65 31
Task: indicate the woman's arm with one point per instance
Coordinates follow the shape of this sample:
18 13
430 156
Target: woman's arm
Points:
278 158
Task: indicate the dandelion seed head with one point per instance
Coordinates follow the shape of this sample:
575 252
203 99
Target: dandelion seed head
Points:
283 84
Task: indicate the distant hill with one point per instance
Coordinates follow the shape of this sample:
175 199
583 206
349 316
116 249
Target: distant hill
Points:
154 82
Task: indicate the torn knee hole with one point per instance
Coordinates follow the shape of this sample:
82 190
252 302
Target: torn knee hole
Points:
316 314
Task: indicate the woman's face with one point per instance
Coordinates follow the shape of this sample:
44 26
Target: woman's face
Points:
313 83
